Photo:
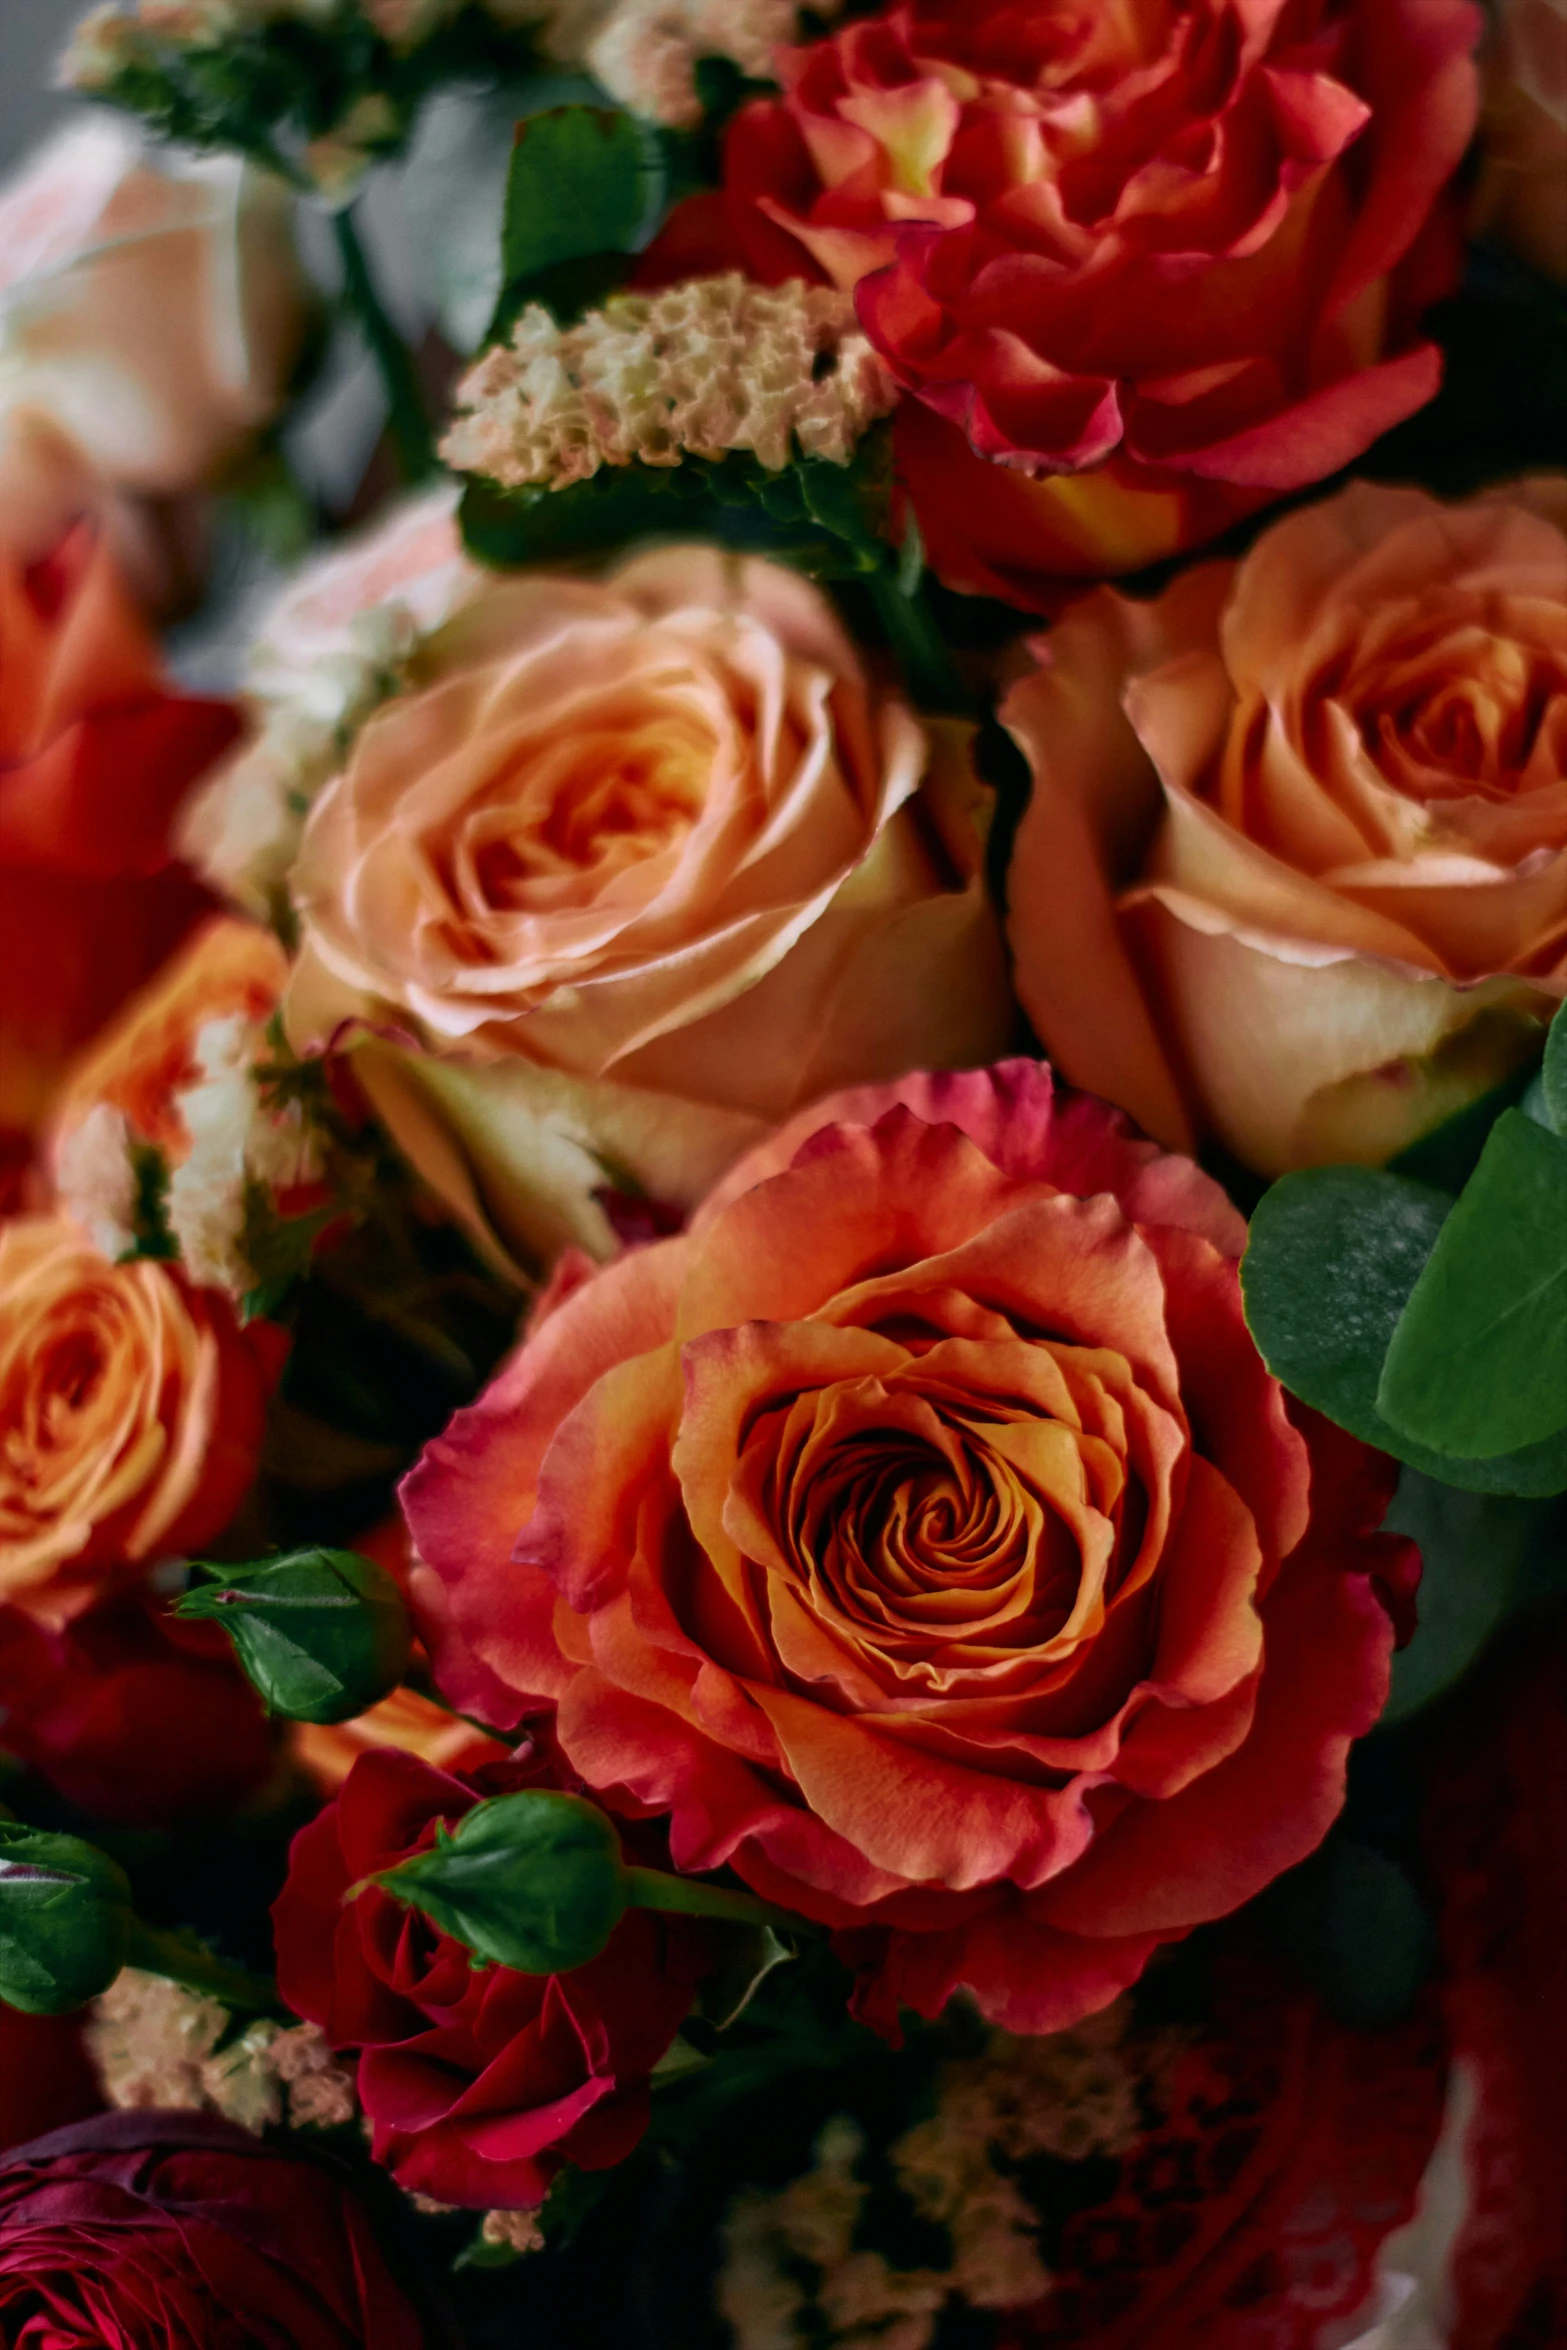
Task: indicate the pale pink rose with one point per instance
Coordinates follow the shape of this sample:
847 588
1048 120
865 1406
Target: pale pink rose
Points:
154 313
645 864
1523 177
1294 871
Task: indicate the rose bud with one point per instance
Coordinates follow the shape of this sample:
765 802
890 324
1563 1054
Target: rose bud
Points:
65 1920
535 1881
322 1633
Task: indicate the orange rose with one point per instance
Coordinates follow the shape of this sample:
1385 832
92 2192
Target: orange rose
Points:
922 1532
130 1417
647 862
1295 866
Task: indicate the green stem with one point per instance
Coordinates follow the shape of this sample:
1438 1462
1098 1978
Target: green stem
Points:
928 667
410 425
693 1898
183 1962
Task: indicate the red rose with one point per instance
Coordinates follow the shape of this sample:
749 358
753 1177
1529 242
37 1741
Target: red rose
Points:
45 2078
176 2228
96 755
479 2083
924 1534
1143 269
133 1716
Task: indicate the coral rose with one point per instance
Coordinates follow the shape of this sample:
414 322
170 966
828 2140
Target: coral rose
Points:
646 863
155 312
178 2228
479 2082
1142 268
130 1416
96 755
1523 179
923 1533
1295 866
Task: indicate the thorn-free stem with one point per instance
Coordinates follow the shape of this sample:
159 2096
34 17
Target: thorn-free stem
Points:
693 1897
410 426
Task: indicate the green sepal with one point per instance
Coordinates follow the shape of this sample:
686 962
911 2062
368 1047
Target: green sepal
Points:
65 1920
1478 1360
531 1881
322 1634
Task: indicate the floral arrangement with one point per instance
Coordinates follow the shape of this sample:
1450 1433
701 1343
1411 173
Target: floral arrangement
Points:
783 1179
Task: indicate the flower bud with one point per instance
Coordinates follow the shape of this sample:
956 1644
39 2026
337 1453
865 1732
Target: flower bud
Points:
65 1920
532 1881
323 1634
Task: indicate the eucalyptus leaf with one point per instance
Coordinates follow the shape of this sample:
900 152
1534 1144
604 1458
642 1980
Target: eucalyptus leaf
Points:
1478 1361
1553 1075
1332 1257
1481 1554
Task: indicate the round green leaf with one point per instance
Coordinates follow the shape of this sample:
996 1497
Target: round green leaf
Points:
1478 1361
1332 1257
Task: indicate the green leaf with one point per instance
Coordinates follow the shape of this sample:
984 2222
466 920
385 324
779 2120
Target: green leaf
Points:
1481 1554
1333 1255
532 1881
581 187
322 1634
65 1920
1450 1153
1553 1076
1358 1931
1478 1361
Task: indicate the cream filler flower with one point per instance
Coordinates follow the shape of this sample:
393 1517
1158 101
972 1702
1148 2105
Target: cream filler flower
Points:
700 369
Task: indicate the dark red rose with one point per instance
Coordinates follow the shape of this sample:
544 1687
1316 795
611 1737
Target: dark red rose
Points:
45 2078
1141 269
176 2231
132 1715
479 2083
96 755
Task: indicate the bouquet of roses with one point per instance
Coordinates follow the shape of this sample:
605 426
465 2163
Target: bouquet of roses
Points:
783 1129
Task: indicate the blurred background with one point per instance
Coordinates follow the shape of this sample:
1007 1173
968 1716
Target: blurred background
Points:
32 34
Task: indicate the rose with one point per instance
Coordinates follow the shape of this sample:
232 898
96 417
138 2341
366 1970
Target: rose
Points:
131 1715
922 1532
1141 269
646 862
154 312
130 1416
1523 178
180 2228
45 2078
95 756
1341 916
478 2083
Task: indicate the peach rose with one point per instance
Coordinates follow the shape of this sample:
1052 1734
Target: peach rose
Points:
922 1532
646 862
1294 871
154 312
1523 177
130 1417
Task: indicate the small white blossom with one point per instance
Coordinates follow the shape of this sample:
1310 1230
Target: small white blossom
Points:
237 1140
97 1182
699 369
645 52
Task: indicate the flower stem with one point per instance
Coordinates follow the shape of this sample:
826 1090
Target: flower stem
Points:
186 1963
692 1897
928 668
410 425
